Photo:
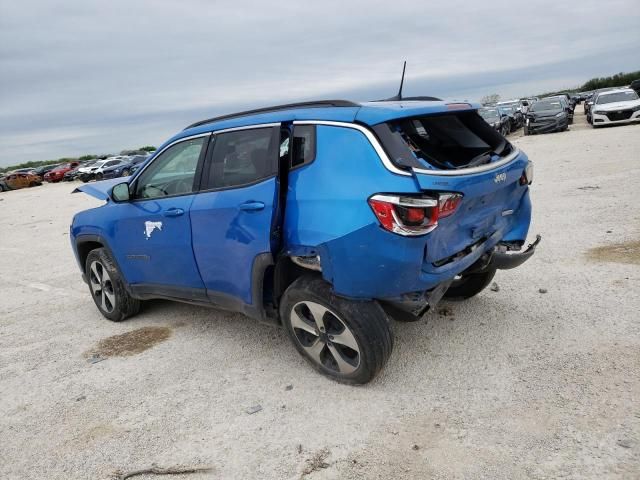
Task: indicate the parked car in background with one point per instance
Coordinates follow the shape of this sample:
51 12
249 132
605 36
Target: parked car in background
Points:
547 115
42 171
74 173
124 168
499 121
565 100
516 119
297 216
57 174
635 85
95 171
588 106
616 107
16 180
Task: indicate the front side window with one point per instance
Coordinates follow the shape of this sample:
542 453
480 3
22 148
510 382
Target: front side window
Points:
243 157
172 172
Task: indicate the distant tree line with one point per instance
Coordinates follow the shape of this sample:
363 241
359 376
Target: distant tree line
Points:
40 163
617 80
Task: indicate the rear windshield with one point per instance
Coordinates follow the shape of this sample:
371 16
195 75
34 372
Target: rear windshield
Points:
447 141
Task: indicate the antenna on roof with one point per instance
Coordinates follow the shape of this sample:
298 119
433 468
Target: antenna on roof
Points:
399 94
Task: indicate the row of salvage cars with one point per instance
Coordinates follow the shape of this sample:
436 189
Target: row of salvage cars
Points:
606 106
548 114
99 169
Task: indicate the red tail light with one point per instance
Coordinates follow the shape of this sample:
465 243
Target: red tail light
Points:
448 203
411 216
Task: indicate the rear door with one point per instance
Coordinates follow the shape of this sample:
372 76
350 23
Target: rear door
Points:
233 215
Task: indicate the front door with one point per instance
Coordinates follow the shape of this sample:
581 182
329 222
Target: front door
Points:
152 232
231 218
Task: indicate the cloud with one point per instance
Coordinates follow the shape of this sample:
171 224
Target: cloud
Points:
81 77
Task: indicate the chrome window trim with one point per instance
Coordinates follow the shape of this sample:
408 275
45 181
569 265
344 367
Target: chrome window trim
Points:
246 127
367 133
392 168
471 170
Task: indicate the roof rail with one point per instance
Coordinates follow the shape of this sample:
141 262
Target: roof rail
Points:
411 99
288 106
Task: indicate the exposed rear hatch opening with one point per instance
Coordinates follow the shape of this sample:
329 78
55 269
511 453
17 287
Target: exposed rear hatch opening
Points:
448 141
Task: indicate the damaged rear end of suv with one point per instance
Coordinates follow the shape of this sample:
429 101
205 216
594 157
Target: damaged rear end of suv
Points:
463 212
328 218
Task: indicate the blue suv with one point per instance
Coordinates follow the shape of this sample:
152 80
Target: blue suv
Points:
328 218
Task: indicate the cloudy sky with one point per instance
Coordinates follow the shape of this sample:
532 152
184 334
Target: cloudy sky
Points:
100 76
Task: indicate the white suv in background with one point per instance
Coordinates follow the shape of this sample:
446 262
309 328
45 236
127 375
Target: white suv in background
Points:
615 107
94 171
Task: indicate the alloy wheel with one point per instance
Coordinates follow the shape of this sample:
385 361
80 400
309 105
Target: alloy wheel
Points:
325 337
102 287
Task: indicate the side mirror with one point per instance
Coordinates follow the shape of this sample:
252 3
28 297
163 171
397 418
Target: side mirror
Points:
120 192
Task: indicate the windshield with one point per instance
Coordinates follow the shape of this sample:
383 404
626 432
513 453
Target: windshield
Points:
546 105
617 97
490 114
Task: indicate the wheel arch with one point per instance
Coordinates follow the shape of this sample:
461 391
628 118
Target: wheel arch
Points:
284 273
86 243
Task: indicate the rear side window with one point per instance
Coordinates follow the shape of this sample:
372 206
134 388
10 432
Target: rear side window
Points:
449 141
304 145
243 157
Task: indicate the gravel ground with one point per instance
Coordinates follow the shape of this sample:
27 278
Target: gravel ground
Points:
514 383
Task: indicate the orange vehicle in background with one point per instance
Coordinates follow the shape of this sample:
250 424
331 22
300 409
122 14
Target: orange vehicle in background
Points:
14 181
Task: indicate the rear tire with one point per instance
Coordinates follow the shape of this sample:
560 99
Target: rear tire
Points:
107 288
98 177
347 341
469 285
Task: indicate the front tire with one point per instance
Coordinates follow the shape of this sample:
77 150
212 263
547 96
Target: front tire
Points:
107 287
347 341
469 285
